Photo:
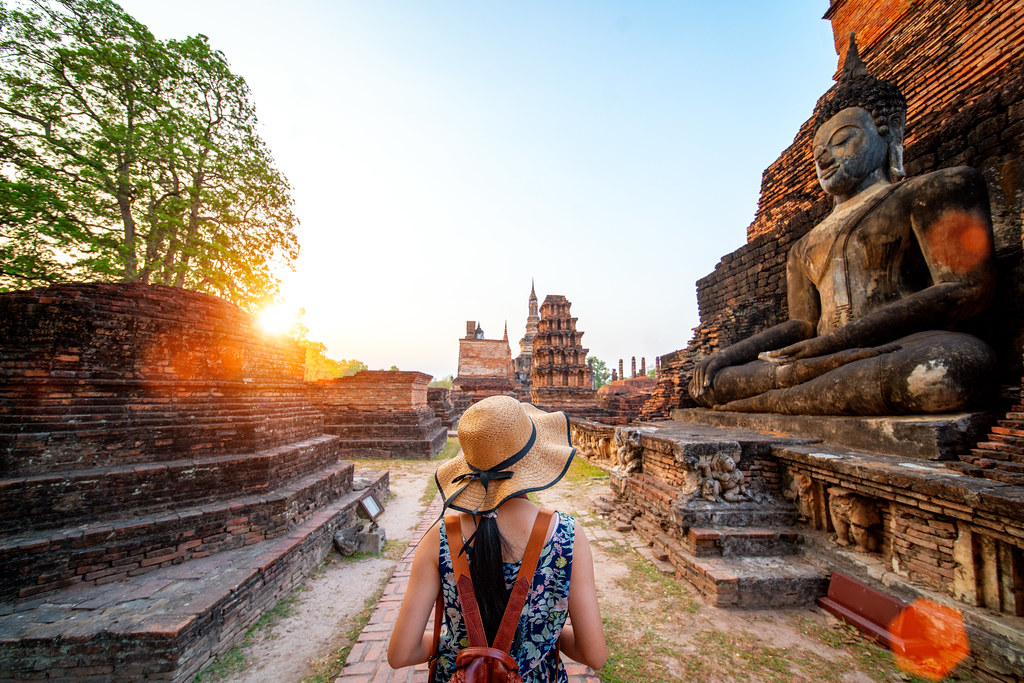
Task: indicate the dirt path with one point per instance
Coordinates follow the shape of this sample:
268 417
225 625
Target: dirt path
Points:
657 627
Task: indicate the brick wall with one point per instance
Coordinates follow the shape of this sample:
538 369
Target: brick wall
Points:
376 391
485 358
381 414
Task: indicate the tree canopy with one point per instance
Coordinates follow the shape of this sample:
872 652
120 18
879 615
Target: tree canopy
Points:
132 159
600 368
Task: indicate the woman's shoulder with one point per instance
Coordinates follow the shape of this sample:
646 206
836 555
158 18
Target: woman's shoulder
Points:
567 525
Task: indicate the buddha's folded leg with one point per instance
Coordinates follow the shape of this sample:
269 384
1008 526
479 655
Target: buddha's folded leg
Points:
759 377
930 372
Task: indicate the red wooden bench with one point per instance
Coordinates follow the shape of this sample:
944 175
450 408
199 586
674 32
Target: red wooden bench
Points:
868 609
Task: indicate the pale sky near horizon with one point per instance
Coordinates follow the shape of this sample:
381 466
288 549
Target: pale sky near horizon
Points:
444 153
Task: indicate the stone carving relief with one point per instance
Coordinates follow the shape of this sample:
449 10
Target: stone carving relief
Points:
721 480
800 491
629 450
853 516
593 446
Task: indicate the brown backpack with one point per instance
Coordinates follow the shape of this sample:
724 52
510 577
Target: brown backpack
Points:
480 663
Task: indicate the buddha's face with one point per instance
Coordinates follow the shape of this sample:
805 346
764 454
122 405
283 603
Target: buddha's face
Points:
849 153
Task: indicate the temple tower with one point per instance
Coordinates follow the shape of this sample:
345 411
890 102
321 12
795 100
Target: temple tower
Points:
560 377
523 362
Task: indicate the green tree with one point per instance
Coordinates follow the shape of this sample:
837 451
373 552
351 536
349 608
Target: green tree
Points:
131 158
319 366
445 383
600 369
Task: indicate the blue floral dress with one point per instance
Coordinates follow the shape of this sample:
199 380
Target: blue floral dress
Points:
544 614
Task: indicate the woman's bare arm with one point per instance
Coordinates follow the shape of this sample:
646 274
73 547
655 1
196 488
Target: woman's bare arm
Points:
410 643
583 638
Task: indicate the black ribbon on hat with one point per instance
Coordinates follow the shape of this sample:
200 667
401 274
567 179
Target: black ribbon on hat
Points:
485 477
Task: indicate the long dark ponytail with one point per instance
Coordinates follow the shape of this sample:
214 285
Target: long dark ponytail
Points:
488 574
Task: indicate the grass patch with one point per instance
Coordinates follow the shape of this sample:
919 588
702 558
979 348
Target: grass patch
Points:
581 470
872 659
634 657
429 492
671 594
233 661
392 550
450 450
327 668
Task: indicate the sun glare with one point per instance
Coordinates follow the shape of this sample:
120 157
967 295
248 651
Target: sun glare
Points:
275 319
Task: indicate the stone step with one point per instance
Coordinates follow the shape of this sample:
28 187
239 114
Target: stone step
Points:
742 542
701 515
1015 434
170 623
39 420
1000 444
423 448
384 431
110 493
1003 476
999 457
748 582
604 505
29 453
99 552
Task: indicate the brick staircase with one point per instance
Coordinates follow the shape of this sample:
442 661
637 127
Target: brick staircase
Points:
164 479
1001 456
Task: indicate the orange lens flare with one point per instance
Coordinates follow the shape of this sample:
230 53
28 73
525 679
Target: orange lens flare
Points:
960 241
931 639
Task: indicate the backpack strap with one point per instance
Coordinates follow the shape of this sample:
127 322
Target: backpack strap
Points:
520 590
524 580
438 610
464 584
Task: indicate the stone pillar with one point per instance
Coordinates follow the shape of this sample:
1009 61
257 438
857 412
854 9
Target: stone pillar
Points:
643 366
621 374
615 376
657 366
633 368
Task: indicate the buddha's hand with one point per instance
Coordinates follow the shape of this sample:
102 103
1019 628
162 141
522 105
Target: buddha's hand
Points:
704 373
807 348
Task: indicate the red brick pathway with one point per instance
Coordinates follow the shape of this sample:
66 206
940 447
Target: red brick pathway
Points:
367 662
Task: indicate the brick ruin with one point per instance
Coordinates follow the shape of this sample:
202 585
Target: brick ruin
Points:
381 414
485 368
623 399
560 378
440 400
757 510
164 480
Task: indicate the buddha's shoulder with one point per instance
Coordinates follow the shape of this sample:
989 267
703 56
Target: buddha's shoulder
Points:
941 182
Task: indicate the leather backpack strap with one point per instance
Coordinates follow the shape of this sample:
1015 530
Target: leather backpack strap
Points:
521 588
438 611
464 583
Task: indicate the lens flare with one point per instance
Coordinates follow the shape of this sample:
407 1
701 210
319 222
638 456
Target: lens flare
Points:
275 319
931 639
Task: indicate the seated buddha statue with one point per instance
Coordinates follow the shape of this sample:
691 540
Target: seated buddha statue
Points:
876 289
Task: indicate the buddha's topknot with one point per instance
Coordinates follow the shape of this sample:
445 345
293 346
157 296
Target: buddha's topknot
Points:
857 88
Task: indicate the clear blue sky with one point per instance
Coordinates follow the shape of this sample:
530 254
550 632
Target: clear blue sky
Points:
444 153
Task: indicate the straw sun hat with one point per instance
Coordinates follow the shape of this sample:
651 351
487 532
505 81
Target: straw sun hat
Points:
508 448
